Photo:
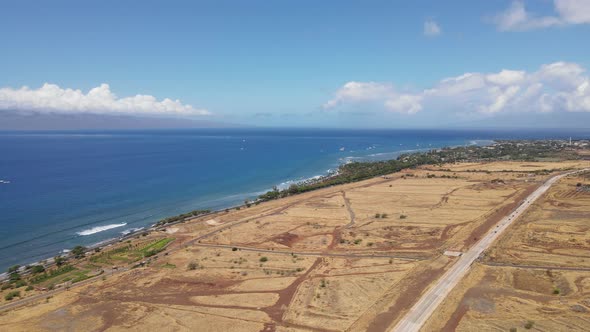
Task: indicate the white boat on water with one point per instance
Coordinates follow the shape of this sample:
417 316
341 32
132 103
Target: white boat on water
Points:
4 181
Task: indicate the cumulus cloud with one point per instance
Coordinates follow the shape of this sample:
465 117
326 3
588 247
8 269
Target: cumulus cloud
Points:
51 98
559 86
567 12
431 28
368 92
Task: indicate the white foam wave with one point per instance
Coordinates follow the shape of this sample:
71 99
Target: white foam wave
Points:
131 230
286 184
99 229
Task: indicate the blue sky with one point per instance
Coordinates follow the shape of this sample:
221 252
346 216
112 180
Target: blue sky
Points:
287 63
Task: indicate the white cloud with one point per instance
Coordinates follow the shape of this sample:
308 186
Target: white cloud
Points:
431 28
405 103
506 77
559 86
567 12
573 11
51 98
360 92
371 92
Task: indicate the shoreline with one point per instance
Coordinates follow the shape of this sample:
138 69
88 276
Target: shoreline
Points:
49 261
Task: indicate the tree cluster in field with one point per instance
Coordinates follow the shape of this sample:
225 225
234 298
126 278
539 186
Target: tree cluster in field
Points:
181 217
501 150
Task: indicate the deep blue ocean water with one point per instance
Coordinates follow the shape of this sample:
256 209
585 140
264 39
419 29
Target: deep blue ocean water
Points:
71 188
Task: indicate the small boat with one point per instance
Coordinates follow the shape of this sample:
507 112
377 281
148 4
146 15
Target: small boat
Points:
4 181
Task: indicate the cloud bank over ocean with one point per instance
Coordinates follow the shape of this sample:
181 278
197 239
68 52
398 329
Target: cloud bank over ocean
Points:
51 98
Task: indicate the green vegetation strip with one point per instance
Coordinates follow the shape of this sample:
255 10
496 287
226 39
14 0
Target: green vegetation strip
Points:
501 150
156 247
129 253
52 274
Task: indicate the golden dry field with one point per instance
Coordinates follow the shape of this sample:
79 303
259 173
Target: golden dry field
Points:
536 277
353 257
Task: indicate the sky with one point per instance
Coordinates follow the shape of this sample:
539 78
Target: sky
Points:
382 64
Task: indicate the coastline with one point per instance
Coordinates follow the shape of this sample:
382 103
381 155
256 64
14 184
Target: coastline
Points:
330 173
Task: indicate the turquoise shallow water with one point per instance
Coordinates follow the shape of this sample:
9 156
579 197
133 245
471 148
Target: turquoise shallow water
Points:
70 188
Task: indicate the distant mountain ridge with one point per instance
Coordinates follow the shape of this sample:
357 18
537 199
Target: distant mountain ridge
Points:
10 120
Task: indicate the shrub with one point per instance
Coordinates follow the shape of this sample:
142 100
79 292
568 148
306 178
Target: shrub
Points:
529 325
383 215
323 283
11 295
234 249
150 253
29 288
263 259
20 283
13 268
78 251
6 286
59 261
556 291
513 329
37 269
14 276
377 215
402 216
192 266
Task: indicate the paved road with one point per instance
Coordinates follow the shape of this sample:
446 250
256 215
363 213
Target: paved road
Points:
423 309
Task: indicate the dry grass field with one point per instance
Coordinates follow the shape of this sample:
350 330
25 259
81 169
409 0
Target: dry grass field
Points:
353 257
537 277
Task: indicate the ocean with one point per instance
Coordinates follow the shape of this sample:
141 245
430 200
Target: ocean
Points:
68 188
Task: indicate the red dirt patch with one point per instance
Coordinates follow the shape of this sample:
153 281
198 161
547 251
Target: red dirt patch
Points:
286 239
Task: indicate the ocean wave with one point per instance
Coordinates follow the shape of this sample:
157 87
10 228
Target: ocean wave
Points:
286 184
99 229
131 230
